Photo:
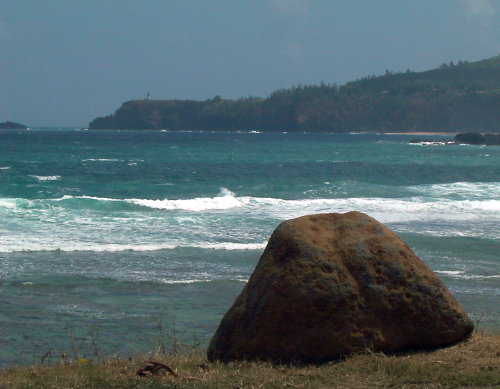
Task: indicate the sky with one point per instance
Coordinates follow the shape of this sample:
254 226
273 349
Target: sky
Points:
65 62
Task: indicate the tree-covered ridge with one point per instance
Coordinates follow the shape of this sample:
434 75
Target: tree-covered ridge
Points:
453 97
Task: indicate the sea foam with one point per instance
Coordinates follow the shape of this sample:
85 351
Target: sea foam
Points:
109 247
225 200
46 178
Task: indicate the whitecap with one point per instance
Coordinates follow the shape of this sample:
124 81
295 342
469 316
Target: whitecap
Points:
8 203
109 247
195 281
459 274
387 210
46 178
233 246
480 277
432 143
4 167
225 200
69 197
192 281
466 190
450 272
102 160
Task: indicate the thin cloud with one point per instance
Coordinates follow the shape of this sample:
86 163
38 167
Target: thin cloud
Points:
3 30
480 11
292 51
290 7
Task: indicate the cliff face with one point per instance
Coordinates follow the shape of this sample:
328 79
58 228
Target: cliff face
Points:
215 114
463 97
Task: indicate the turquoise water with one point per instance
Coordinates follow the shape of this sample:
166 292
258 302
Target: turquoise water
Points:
108 236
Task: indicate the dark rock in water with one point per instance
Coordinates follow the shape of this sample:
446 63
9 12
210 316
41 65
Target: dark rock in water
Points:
492 139
330 285
474 138
12 126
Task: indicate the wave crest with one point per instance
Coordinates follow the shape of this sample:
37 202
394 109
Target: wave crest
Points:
109 247
224 200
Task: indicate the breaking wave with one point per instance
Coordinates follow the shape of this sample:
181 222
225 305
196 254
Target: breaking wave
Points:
108 247
451 201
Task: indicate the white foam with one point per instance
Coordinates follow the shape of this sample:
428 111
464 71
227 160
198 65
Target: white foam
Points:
15 203
432 143
450 272
8 203
233 246
223 222
480 277
4 167
225 200
69 197
193 281
459 274
466 190
102 160
387 210
384 209
108 247
46 178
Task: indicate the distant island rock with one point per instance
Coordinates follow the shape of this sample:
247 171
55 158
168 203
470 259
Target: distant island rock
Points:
472 138
12 126
452 98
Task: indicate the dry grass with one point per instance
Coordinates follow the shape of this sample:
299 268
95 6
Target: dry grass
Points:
474 364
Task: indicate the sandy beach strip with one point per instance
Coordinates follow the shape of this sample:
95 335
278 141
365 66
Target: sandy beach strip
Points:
422 133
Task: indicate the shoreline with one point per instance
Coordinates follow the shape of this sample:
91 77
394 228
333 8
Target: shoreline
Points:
422 133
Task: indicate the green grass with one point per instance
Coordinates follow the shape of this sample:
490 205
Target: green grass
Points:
473 364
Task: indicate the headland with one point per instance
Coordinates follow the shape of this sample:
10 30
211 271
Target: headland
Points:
452 98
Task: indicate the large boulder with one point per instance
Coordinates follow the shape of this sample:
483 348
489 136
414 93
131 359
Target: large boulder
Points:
329 285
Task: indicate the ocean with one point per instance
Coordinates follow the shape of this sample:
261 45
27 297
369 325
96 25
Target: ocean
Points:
123 242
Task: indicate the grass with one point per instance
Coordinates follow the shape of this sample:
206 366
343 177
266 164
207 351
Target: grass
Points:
473 364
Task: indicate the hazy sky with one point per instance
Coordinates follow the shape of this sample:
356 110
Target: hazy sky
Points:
65 62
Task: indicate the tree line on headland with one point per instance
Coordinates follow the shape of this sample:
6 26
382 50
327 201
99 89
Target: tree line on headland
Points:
452 98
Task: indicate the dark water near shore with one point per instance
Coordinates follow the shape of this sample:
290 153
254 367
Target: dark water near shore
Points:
105 236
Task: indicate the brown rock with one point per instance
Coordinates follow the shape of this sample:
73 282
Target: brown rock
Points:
329 285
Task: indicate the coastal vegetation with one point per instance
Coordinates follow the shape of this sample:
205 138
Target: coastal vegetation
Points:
473 364
461 97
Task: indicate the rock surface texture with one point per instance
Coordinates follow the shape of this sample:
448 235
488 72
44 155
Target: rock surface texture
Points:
329 285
